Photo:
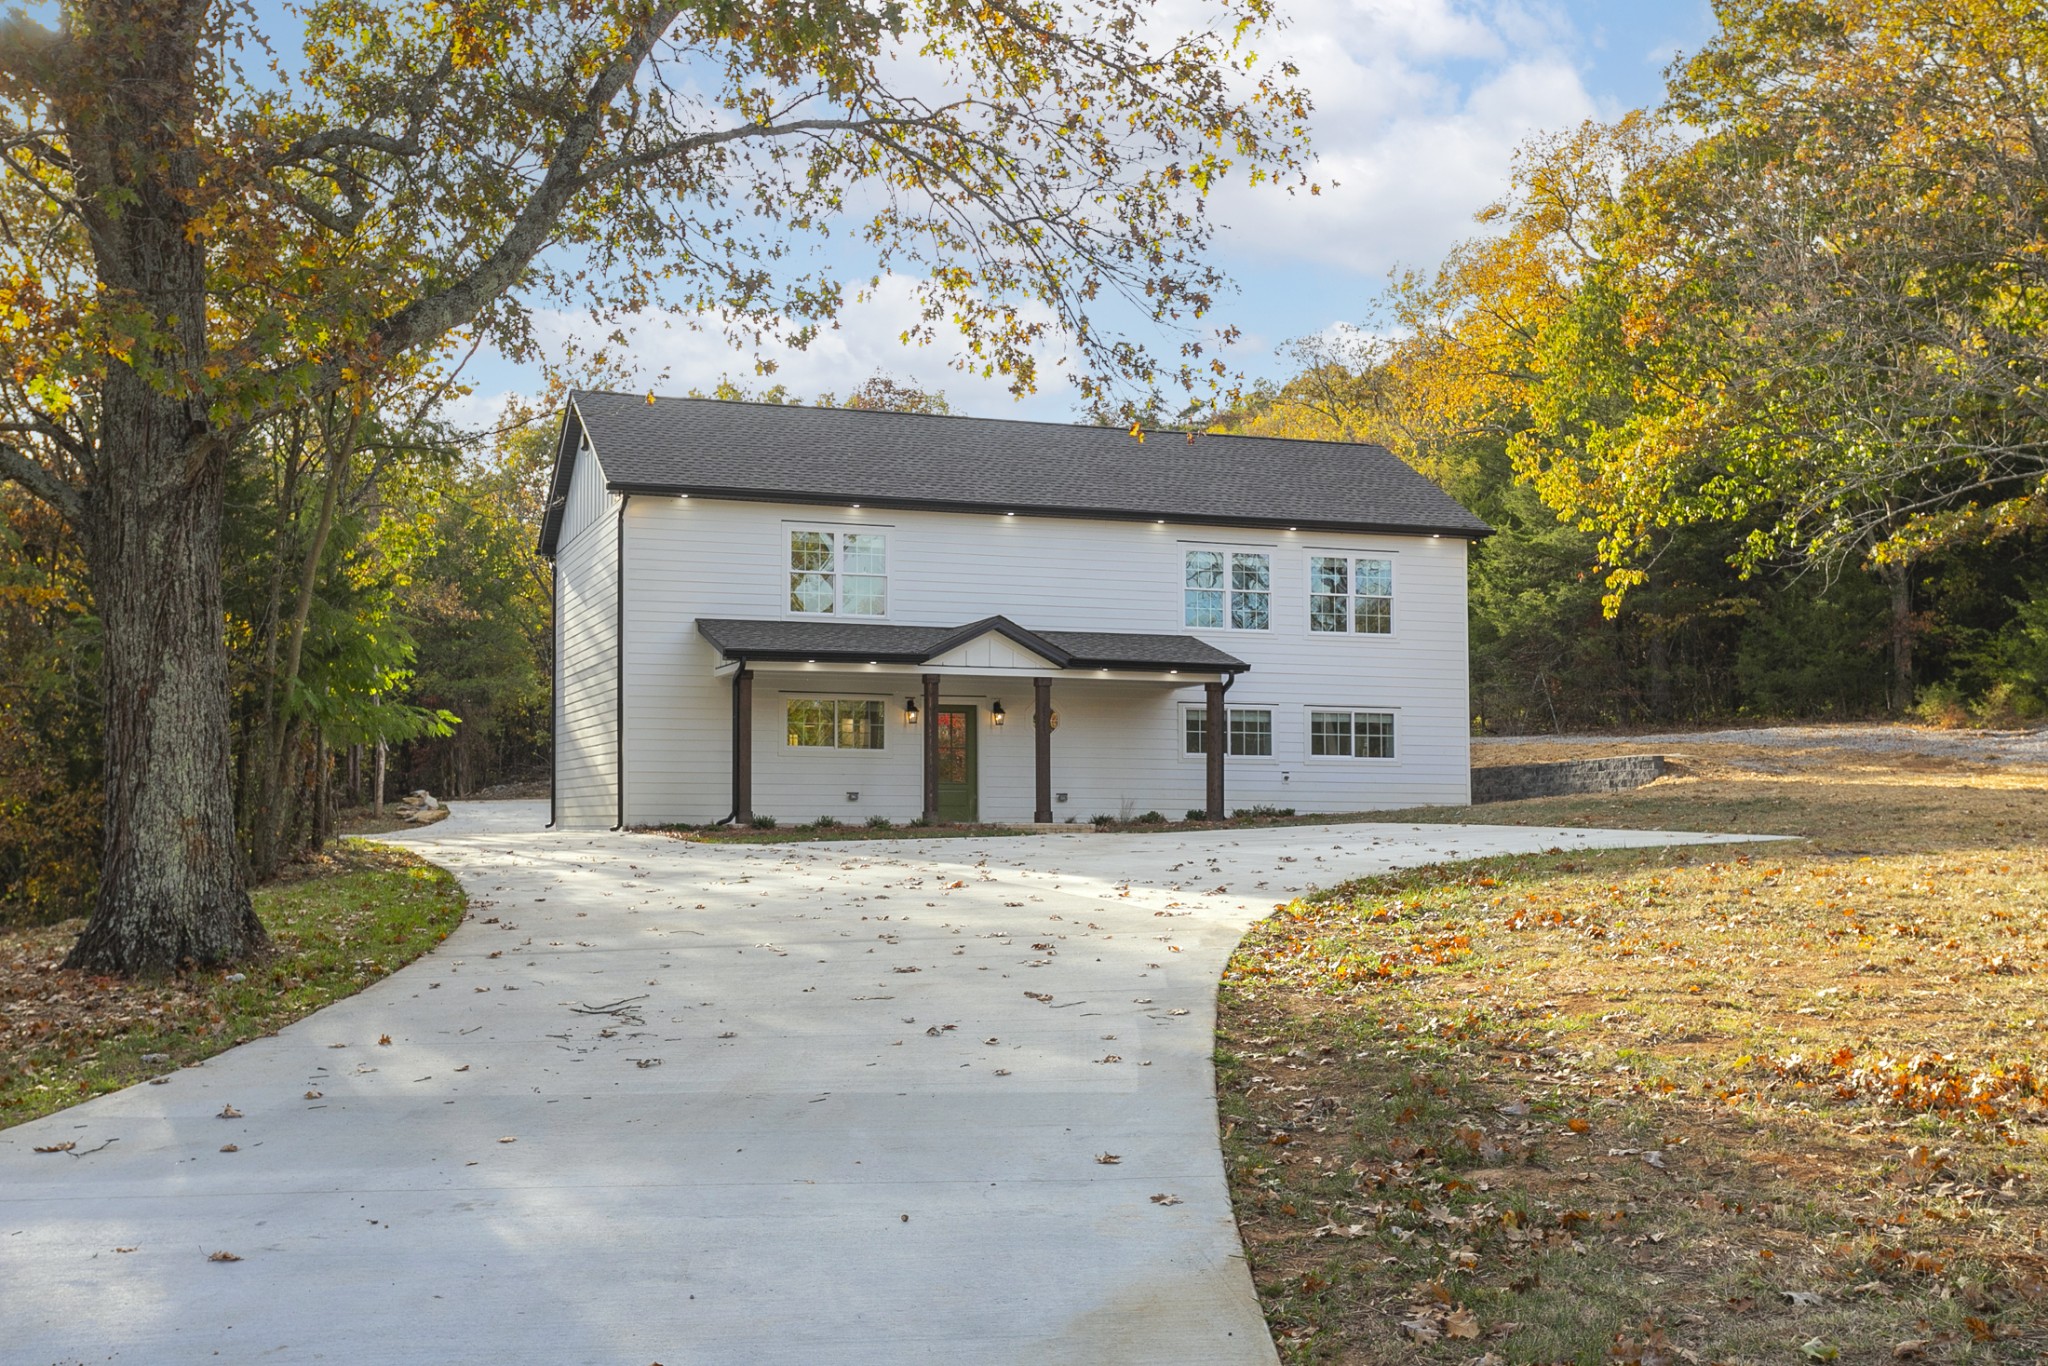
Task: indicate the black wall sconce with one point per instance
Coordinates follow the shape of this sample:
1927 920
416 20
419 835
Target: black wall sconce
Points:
910 711
995 713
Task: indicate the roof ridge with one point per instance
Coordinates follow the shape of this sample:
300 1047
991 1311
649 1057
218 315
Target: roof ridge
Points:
974 417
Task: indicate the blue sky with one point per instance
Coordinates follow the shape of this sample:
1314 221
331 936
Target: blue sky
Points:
1420 104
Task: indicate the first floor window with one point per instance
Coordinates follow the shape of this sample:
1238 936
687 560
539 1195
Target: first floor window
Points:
854 723
1251 731
1351 734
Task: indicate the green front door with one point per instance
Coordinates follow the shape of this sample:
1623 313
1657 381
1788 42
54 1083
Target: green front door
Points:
959 774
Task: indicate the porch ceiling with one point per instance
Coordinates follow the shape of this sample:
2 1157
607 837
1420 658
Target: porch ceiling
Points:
911 649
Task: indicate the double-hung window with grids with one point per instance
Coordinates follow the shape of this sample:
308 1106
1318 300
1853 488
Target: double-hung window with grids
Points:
835 723
844 573
1351 593
1227 590
1351 734
1250 735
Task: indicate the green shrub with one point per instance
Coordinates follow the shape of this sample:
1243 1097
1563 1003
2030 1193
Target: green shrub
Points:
1151 818
763 822
1198 813
1260 813
879 823
825 823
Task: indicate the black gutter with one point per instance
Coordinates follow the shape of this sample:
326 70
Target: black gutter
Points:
1092 514
619 654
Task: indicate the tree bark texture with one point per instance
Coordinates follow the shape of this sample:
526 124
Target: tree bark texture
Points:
171 888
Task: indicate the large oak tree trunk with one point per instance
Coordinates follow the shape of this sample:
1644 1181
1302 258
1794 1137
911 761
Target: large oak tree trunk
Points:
171 887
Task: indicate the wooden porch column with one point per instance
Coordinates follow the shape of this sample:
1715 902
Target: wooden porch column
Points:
1217 736
931 749
1041 720
742 746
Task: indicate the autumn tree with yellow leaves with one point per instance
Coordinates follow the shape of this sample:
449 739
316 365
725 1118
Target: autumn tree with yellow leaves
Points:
197 233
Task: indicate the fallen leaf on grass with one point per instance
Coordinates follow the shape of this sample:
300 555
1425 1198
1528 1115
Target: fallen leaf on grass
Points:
1461 1323
1819 1349
1419 1330
223 1257
1911 1349
57 1147
1805 1299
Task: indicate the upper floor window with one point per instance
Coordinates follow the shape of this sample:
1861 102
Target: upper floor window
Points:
1228 588
841 572
1350 593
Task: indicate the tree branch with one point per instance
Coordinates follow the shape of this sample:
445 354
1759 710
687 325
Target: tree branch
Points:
33 55
43 483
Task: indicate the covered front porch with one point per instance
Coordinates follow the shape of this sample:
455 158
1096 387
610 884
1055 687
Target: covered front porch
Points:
852 694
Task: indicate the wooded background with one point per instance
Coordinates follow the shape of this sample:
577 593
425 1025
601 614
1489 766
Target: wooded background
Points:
1753 387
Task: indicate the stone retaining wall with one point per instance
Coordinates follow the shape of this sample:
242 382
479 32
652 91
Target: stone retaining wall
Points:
1513 782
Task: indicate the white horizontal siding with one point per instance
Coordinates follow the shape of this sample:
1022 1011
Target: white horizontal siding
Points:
1118 745
587 653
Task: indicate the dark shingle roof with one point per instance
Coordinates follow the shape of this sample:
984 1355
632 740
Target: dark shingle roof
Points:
714 448
846 642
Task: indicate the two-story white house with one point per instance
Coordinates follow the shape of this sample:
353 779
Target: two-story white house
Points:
811 612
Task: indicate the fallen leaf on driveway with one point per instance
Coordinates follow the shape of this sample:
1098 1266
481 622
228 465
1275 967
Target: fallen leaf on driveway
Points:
313 1095
124 1249
229 1112
229 1148
223 1257
1164 1199
1108 1159
508 1140
384 1040
57 1147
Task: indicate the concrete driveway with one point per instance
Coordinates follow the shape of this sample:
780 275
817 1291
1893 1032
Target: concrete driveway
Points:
666 1102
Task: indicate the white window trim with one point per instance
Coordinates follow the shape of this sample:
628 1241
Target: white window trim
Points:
1180 733
836 530
1274 597
1308 712
782 719
1310 554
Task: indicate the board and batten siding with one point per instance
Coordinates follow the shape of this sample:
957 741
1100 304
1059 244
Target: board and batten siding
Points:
587 651
1118 748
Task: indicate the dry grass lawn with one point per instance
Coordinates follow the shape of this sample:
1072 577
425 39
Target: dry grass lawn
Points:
1773 1104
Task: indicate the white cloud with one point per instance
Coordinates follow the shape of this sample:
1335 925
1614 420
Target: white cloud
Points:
1419 107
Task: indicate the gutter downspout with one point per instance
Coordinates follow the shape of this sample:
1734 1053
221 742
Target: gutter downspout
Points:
619 692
